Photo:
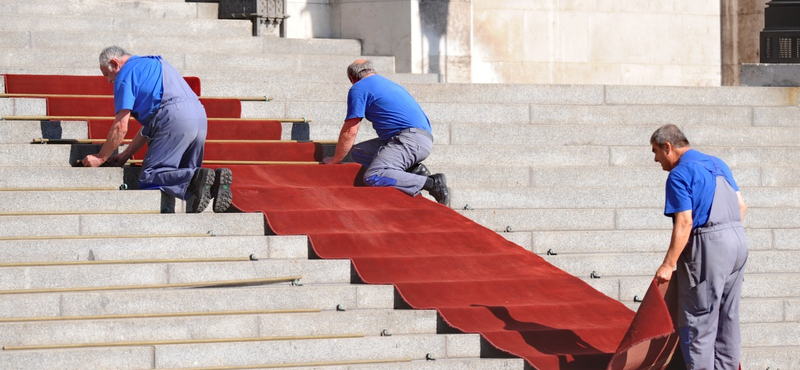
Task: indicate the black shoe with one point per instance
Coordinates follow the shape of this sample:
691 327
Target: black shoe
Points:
439 191
201 184
419 169
222 189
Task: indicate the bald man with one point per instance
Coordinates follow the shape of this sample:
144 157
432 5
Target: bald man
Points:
404 140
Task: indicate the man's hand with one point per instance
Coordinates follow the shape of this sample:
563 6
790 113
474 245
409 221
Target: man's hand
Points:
118 160
328 160
92 160
663 274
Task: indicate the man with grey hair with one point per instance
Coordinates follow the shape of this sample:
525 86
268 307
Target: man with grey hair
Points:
404 140
708 247
174 126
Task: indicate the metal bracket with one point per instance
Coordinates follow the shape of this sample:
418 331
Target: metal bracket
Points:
211 232
468 208
594 275
429 357
253 257
508 229
551 252
124 186
296 282
339 307
385 333
637 299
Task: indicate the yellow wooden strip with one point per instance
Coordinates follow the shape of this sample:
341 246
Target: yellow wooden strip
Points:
156 315
70 237
124 262
87 118
20 95
184 341
207 284
299 364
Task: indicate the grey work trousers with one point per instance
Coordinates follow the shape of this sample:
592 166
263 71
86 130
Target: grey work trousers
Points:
387 162
176 135
710 274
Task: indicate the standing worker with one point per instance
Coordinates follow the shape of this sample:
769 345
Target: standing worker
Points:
708 246
174 126
404 135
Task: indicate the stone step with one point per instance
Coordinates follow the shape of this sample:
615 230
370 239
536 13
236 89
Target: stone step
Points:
76 202
116 275
644 263
566 196
22 107
763 357
94 226
59 177
369 322
121 25
27 155
260 63
131 9
440 363
155 44
110 249
756 285
267 297
560 219
635 241
23 132
771 334
249 353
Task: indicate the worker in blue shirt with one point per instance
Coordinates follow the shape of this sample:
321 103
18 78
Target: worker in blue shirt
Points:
708 247
404 135
174 126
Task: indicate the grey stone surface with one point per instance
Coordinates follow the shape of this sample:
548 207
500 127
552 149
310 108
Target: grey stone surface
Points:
537 219
44 202
410 346
134 9
20 155
275 296
747 156
365 322
24 132
770 358
777 117
464 155
769 74
650 116
559 197
507 93
121 358
688 96
59 177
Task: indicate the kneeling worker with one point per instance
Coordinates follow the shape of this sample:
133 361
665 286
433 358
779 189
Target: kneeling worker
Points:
174 126
404 135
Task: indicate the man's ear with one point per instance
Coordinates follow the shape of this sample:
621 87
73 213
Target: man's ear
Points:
114 64
667 146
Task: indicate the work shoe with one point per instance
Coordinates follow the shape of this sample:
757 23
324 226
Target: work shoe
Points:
419 169
222 189
439 191
201 184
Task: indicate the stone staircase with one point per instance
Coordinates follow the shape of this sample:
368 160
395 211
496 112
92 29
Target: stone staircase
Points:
559 169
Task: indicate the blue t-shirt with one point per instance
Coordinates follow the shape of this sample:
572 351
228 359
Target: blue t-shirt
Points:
692 183
387 105
139 86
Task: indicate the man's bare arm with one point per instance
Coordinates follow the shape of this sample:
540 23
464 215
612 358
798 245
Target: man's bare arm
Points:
347 137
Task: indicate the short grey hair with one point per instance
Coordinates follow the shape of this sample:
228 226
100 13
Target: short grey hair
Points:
360 68
669 133
111 52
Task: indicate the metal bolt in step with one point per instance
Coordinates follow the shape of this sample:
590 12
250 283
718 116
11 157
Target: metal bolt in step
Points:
508 229
340 307
296 282
637 299
211 232
594 275
468 208
124 186
253 257
385 333
429 357
551 252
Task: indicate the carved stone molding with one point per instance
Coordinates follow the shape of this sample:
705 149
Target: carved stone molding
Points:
268 16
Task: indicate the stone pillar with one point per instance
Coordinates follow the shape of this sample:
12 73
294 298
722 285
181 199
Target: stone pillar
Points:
742 21
424 36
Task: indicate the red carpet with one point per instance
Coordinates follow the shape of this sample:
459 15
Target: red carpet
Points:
233 129
104 107
68 85
436 258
